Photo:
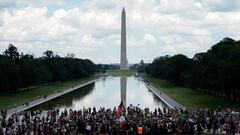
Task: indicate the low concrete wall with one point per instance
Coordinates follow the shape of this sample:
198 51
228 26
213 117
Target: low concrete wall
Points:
166 99
49 97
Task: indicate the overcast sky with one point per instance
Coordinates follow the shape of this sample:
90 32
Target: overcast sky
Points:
91 28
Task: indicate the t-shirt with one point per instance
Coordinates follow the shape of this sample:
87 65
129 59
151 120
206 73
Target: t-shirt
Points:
121 119
88 127
140 130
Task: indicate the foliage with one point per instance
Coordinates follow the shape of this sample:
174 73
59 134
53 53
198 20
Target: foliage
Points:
216 71
21 72
117 72
11 52
191 98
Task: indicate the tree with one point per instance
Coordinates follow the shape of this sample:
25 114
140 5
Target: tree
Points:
70 55
29 72
48 54
12 52
23 71
215 71
10 78
44 74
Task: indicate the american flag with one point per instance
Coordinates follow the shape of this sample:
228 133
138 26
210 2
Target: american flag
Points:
120 110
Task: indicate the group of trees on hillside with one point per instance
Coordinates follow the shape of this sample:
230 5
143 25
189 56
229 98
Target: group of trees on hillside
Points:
21 71
216 71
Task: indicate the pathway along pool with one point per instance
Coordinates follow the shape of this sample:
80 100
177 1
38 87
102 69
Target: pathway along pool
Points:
106 92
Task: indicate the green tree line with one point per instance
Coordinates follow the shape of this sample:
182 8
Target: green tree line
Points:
216 71
22 71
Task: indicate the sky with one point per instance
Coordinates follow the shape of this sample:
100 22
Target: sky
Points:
90 29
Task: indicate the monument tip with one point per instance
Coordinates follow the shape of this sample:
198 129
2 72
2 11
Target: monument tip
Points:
123 9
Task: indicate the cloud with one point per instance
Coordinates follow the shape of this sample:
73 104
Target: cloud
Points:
39 3
174 44
91 29
221 5
100 5
176 6
7 3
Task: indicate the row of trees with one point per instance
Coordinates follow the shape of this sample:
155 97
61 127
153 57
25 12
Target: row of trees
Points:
22 71
216 71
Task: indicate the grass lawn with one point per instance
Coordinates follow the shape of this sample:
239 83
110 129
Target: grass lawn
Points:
8 101
117 72
190 98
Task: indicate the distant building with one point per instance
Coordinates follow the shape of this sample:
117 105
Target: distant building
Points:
141 64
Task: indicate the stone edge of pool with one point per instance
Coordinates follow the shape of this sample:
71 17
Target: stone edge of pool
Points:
49 97
166 99
162 96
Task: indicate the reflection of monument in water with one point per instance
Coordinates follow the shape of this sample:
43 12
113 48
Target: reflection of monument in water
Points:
123 83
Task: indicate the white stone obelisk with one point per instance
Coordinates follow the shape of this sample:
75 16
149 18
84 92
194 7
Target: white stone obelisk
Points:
123 63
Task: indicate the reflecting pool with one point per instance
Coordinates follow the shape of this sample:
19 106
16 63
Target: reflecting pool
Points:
106 92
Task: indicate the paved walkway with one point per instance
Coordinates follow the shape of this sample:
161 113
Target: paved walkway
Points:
166 99
47 98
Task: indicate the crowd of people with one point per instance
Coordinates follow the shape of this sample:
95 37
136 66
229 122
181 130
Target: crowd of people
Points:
120 121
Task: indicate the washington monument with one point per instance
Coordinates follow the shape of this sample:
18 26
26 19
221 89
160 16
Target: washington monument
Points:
123 63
